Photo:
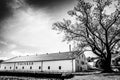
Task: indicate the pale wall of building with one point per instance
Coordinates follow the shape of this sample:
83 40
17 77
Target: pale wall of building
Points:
81 63
59 66
7 66
33 66
66 66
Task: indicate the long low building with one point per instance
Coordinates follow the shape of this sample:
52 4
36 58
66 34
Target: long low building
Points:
73 61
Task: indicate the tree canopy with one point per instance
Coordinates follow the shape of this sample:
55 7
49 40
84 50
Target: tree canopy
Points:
94 27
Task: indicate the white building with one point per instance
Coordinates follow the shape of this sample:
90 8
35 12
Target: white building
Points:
73 61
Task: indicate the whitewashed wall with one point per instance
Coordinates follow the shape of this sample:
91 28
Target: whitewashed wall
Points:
74 67
7 66
36 66
33 66
20 65
66 65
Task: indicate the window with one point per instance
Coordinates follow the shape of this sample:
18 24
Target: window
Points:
10 67
59 67
82 62
31 63
39 67
22 67
16 67
48 67
30 67
4 67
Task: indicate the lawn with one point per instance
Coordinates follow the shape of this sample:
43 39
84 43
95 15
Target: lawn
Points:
96 76
77 76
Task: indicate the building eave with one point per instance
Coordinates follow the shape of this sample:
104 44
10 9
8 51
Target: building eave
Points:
39 60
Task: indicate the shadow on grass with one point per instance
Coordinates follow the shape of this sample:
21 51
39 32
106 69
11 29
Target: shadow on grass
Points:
111 74
43 75
97 73
107 74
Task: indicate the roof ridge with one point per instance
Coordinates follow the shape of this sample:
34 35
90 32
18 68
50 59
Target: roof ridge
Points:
43 57
11 58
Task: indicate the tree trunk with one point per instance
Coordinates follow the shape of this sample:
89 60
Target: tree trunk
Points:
107 63
107 60
107 66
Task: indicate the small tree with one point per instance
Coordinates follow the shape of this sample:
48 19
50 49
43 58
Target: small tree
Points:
94 28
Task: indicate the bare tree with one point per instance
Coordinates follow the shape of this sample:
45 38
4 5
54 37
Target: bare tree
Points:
94 28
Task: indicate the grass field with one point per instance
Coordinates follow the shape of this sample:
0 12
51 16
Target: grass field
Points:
77 76
97 76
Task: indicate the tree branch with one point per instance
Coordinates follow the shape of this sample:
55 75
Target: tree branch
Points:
114 36
111 23
114 43
91 31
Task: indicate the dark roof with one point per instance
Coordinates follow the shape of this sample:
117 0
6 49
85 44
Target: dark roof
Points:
44 57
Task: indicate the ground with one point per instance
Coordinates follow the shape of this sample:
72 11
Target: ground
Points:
78 76
97 76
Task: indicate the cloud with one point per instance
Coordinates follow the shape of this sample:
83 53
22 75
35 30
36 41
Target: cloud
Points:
18 53
32 28
8 9
4 58
5 9
46 3
3 42
6 47
28 30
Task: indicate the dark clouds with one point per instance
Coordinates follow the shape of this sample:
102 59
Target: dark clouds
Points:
5 9
8 8
13 14
46 3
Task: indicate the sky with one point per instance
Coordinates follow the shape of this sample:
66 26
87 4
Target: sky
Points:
26 26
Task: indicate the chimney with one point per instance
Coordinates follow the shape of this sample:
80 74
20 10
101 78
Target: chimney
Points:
70 48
